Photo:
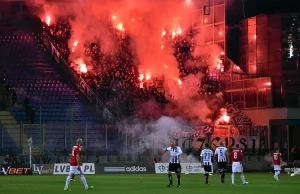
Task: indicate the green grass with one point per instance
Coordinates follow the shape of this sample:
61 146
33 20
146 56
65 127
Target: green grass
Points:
259 183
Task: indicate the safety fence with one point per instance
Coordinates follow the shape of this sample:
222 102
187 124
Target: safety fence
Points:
57 138
130 136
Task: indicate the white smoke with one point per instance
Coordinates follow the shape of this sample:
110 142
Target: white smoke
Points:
153 137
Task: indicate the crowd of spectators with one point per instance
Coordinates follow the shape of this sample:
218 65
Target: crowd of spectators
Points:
115 78
13 159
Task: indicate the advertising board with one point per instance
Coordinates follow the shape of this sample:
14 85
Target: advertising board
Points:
191 168
15 169
64 168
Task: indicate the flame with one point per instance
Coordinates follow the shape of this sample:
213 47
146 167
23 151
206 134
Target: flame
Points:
179 31
141 77
81 65
75 44
148 77
220 33
163 33
166 66
83 68
133 19
173 34
225 117
120 27
48 20
222 53
179 82
162 46
268 83
114 17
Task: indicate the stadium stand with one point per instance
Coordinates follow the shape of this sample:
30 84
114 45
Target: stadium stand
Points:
29 71
57 105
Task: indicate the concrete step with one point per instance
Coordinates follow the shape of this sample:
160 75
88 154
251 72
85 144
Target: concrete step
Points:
9 122
6 117
5 113
11 126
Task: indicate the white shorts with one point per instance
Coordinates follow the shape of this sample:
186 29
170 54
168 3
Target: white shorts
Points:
237 167
74 170
277 167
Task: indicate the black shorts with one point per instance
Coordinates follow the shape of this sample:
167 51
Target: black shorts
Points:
207 168
222 165
174 168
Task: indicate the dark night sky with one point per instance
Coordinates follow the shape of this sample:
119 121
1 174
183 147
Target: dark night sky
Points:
235 14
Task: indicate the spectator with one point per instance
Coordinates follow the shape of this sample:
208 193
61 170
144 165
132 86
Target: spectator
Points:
6 160
155 159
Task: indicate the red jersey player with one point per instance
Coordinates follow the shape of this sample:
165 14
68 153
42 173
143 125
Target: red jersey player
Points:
76 166
237 157
277 163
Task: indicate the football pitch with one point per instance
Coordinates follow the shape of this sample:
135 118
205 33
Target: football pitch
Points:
150 184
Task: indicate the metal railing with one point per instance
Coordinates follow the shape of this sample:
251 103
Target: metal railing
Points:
127 138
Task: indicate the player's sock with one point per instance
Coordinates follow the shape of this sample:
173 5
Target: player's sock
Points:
232 178
68 181
84 181
170 179
223 176
220 172
206 177
277 174
178 179
243 178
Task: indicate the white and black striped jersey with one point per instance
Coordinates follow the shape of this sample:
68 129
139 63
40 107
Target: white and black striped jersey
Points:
174 154
206 156
221 152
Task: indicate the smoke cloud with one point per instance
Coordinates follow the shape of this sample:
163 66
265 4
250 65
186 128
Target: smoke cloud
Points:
152 137
153 27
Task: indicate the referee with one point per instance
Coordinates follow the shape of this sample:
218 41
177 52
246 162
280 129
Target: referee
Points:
174 165
221 155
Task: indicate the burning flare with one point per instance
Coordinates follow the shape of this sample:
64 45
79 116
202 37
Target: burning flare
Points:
163 33
144 78
141 77
81 65
75 44
120 27
225 117
179 82
83 68
48 20
148 77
